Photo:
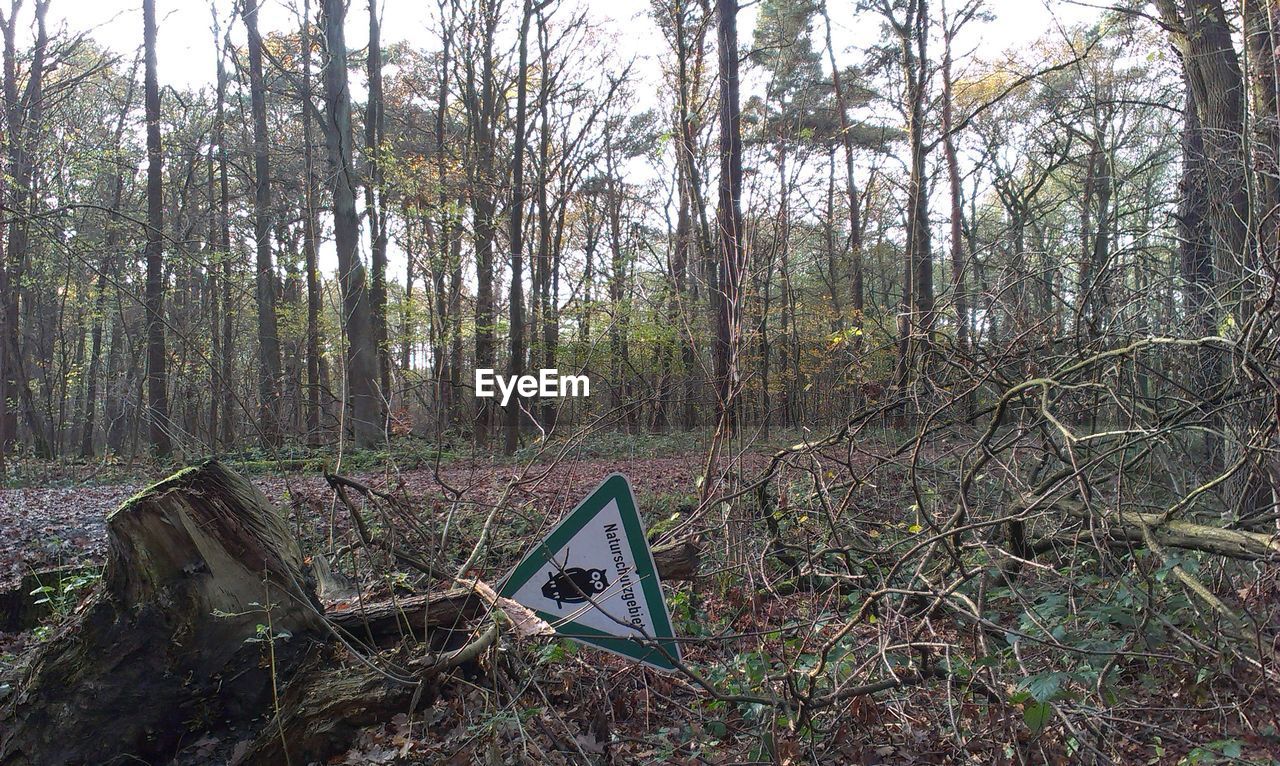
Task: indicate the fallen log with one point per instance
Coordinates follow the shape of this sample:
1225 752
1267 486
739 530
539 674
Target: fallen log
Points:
1127 526
203 605
382 623
324 709
412 616
678 560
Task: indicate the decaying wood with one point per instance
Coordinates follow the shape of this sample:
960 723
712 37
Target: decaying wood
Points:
171 641
678 560
377 622
1128 526
323 710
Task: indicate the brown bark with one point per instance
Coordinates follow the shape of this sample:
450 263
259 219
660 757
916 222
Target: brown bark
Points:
157 380
726 291
375 203
365 413
916 321
196 564
693 232
855 212
481 91
516 238
447 236
24 108
959 259
310 229
226 383
265 275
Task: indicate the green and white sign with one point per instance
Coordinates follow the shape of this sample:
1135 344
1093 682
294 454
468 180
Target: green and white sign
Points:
593 580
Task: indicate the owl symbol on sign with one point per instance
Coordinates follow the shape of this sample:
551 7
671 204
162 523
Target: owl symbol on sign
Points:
574 585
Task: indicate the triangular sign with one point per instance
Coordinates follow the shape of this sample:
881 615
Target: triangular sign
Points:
593 579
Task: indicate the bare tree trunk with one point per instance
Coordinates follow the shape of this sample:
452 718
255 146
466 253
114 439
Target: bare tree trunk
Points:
157 381
375 203
547 299
855 212
447 233
362 368
726 293
25 111
1201 32
481 98
310 246
619 348
265 276
224 387
516 238
916 321
959 259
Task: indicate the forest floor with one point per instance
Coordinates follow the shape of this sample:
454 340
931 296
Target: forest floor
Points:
584 704
45 527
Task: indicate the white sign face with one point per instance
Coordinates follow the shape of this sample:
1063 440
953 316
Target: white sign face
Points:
593 579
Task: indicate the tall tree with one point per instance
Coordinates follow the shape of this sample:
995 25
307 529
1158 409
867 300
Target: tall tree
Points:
959 259
24 98
375 201
481 91
726 286
226 378
516 238
157 380
310 234
686 33
362 367
856 296
916 317
446 265
265 276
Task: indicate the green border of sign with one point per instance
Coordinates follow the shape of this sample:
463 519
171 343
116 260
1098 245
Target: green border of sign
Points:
615 486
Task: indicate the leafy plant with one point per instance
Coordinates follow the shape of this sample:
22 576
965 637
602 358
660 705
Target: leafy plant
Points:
62 595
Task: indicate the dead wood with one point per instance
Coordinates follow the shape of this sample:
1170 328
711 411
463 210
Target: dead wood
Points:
678 560
202 599
1128 526
377 623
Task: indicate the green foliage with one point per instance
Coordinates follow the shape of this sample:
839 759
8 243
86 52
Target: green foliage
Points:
63 593
1220 751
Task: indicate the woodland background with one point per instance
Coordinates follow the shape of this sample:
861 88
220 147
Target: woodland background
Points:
955 367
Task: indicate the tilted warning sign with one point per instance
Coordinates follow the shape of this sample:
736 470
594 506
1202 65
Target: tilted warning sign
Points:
593 579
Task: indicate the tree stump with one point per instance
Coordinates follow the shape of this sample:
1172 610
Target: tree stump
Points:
203 605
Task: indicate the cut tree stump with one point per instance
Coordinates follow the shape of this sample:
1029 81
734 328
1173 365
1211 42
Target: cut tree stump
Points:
174 640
